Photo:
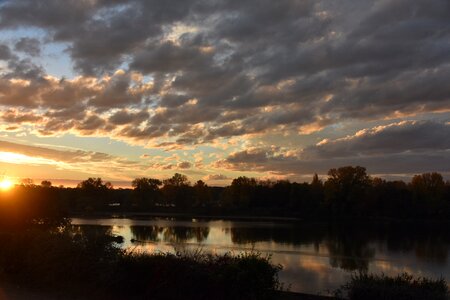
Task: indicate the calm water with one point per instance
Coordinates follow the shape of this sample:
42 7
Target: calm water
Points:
316 258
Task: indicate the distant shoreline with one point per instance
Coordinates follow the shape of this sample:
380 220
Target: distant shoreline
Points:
249 218
137 215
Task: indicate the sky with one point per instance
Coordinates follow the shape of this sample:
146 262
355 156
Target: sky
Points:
216 89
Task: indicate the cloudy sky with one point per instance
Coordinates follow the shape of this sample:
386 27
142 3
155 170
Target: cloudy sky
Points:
216 89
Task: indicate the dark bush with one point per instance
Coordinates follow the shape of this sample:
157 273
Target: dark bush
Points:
402 287
85 262
196 276
46 260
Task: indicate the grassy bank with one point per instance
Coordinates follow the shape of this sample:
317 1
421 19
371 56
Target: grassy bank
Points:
401 287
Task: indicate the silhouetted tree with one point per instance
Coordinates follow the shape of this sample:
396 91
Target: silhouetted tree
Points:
46 184
348 191
242 191
94 184
177 180
389 199
428 193
202 194
94 193
346 188
146 191
177 191
315 198
27 182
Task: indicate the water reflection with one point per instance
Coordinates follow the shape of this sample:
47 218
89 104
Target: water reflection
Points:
345 250
146 233
315 257
349 254
174 235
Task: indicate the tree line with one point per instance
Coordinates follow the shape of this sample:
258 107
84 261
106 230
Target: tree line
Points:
348 192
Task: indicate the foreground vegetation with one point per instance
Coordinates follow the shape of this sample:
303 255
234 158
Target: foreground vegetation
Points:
402 287
87 263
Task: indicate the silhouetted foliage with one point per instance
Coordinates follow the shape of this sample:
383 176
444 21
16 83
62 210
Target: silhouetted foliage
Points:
94 184
31 204
348 192
85 262
428 192
177 192
94 194
146 192
364 286
46 184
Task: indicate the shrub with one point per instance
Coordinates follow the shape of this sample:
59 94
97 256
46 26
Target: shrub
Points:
403 286
199 276
85 262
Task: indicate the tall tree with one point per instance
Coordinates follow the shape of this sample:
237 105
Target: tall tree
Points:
177 191
428 193
346 188
146 191
94 193
177 180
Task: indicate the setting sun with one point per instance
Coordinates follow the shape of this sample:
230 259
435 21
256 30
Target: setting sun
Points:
6 184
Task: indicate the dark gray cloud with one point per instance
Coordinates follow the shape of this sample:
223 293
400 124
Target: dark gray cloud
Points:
406 147
169 58
125 117
30 46
5 52
25 69
227 68
117 93
184 165
413 136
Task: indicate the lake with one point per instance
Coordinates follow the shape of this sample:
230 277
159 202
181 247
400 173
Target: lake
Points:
316 258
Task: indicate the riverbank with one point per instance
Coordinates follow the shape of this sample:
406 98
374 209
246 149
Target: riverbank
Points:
10 292
253 218
146 215
302 296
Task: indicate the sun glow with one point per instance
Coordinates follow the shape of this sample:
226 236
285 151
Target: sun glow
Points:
6 184
22 159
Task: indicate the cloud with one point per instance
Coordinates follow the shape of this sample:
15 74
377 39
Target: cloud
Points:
52 154
17 117
406 147
125 117
193 72
30 46
184 165
5 52
169 58
406 136
214 177
90 163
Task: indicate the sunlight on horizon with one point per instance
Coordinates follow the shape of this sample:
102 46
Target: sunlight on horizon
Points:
18 158
6 184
